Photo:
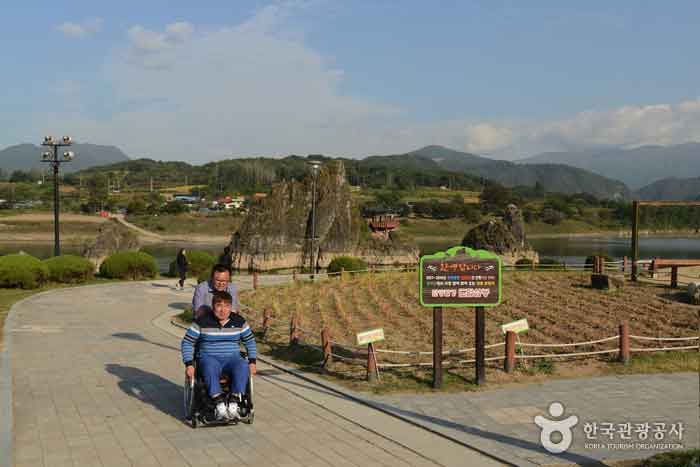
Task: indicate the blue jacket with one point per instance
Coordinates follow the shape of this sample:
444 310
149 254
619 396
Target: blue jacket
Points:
218 341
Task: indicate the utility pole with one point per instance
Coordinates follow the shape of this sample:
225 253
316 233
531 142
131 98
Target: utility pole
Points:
52 158
315 167
151 184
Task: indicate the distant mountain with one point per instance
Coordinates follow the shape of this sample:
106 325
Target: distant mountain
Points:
636 167
27 156
553 177
671 189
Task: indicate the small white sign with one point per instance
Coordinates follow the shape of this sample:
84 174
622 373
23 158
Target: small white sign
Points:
516 326
373 335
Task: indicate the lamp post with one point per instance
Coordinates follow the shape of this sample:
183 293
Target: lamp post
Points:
315 168
52 158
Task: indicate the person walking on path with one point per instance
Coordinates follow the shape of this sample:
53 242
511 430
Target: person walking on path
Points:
181 263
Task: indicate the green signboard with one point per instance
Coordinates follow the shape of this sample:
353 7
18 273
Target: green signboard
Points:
460 277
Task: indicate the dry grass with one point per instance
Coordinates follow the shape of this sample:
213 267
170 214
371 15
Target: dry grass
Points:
560 308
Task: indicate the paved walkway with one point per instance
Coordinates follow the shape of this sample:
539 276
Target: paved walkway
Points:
501 421
96 383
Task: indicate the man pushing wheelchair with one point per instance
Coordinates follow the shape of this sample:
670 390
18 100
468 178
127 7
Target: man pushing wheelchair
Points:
216 336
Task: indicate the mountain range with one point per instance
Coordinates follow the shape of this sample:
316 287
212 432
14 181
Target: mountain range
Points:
682 189
600 173
636 167
28 156
553 177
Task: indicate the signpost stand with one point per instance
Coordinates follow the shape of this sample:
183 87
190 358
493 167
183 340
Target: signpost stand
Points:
369 338
479 332
460 277
437 347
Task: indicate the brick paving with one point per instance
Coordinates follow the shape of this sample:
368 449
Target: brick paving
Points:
96 384
501 421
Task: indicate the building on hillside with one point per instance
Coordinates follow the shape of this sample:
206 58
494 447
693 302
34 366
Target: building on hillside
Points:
383 224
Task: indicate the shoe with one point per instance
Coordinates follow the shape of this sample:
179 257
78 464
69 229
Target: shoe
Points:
221 412
232 410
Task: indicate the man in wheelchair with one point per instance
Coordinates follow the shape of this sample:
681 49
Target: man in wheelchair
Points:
217 336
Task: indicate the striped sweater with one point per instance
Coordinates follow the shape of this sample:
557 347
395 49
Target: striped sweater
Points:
213 339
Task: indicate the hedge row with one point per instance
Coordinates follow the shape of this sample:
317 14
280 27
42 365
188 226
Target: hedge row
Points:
133 265
70 269
22 271
346 263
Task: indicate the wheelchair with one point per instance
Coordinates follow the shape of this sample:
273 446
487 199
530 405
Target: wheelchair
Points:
199 408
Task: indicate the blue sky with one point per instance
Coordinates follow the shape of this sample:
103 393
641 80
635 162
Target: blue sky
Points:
199 82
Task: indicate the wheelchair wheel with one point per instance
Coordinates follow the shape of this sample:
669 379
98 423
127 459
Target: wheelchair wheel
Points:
249 402
188 400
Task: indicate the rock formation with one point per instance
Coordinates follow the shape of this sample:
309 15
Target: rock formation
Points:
277 232
505 238
112 237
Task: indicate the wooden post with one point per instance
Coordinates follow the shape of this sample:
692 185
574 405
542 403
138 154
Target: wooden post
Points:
342 274
509 362
371 364
674 277
635 239
327 346
624 356
294 275
437 347
480 321
624 265
255 280
294 330
267 319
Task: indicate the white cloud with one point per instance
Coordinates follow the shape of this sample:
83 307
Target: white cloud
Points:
81 29
485 138
183 92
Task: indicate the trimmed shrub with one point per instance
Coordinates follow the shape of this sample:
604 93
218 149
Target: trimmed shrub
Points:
347 263
199 264
69 269
23 271
129 265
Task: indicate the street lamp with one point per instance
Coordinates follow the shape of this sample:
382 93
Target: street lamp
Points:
315 168
52 158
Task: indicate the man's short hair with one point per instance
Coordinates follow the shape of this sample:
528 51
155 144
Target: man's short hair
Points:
221 297
220 268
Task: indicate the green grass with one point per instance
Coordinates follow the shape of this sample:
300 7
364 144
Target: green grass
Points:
217 224
661 362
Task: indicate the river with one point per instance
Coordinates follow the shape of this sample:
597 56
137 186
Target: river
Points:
570 249
575 249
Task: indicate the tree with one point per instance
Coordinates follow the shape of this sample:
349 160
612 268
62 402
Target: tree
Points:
471 214
388 198
20 176
495 196
98 191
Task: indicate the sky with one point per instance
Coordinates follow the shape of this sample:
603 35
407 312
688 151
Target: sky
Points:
203 81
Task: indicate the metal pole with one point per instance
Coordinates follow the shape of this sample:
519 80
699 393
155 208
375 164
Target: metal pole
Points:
635 239
437 347
480 346
56 234
313 223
